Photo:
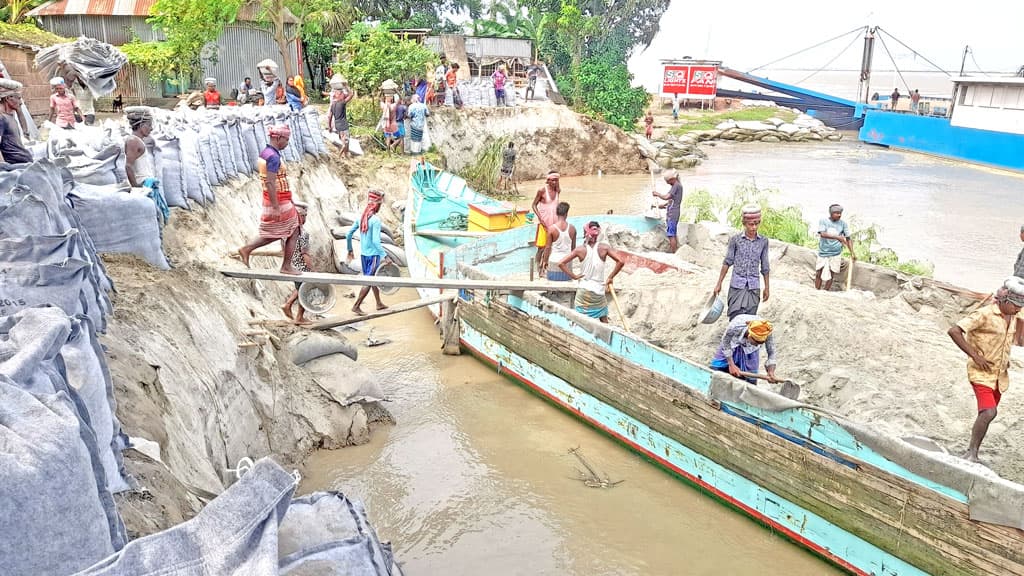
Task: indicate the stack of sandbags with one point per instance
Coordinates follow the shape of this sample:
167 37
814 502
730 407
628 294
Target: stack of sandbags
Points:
47 255
95 63
61 445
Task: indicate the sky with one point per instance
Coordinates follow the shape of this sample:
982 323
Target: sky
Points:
755 33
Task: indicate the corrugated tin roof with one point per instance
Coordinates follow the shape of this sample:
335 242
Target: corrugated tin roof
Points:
94 8
248 13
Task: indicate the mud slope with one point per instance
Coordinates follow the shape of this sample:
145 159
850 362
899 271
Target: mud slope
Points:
183 381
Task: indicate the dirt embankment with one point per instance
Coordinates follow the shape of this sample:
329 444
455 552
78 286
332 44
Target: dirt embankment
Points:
183 381
546 137
878 354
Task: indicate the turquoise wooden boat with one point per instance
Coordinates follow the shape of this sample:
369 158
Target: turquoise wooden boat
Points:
869 504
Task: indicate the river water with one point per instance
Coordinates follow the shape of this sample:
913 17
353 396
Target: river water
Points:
475 478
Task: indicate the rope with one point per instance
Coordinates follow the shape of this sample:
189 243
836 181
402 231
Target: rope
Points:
455 221
915 52
980 69
858 29
895 67
829 63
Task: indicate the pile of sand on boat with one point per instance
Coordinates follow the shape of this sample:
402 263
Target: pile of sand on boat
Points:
878 354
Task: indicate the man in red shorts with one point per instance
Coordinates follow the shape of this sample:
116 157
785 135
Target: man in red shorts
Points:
986 336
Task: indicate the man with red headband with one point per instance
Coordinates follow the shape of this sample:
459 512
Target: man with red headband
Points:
280 220
748 256
371 252
590 296
545 203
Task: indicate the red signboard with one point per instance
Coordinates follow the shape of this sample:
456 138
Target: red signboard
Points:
703 81
694 81
676 79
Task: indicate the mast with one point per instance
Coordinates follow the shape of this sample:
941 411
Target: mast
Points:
864 87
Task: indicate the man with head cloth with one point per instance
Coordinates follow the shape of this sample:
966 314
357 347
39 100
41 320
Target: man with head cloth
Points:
545 202
833 234
747 254
986 336
371 251
740 348
590 296
673 206
139 158
11 148
280 220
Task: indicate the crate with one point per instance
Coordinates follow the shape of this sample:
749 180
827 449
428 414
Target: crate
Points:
495 217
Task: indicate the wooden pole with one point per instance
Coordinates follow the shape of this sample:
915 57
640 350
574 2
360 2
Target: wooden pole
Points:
849 275
507 285
397 309
450 328
615 299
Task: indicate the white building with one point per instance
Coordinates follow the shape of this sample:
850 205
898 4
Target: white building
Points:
989 103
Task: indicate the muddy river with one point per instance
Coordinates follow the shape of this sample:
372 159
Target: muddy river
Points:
475 477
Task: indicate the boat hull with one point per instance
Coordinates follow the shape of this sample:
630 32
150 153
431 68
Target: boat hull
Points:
936 136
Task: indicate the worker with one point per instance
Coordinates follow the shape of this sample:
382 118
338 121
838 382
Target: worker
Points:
740 349
747 254
985 336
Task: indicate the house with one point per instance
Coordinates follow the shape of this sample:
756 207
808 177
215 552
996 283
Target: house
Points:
478 56
17 54
241 45
989 103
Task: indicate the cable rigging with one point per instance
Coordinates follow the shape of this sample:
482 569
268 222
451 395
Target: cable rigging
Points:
858 30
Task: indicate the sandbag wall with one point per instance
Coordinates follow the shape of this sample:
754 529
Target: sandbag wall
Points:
60 440
200 149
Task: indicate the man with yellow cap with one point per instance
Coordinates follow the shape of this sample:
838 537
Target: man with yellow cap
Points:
986 336
740 350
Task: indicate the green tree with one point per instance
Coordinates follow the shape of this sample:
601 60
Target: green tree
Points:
13 11
372 54
190 26
602 87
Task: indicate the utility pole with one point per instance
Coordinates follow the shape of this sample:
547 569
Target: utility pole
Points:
865 64
963 61
956 87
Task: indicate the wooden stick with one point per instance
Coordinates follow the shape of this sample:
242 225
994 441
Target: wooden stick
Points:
403 307
249 345
615 299
849 275
508 285
452 234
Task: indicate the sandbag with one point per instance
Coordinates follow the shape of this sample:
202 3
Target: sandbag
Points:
309 345
234 535
206 156
251 143
238 149
138 224
328 534
227 160
344 379
63 285
172 179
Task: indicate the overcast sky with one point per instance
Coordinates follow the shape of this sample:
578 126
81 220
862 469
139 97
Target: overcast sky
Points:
744 34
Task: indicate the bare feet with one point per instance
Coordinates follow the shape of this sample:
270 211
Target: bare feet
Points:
970 457
244 255
382 306
358 311
303 322
291 271
288 312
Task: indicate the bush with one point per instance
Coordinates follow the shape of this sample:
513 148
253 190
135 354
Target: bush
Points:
606 92
372 54
702 205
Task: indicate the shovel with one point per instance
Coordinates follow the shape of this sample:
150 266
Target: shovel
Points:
789 388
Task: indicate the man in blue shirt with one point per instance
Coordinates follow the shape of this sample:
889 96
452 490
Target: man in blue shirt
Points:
370 250
833 234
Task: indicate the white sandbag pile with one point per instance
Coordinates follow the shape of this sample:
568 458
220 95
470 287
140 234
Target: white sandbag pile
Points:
96 63
480 93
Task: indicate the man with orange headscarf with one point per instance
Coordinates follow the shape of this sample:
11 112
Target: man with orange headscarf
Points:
280 219
740 349
371 252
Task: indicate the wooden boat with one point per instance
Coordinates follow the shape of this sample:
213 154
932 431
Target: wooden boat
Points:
870 504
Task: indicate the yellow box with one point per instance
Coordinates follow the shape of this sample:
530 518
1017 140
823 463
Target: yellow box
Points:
495 217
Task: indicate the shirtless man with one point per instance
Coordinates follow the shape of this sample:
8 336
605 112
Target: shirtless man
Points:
590 296
545 202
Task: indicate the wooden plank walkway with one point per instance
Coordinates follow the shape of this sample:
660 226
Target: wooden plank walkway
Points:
396 309
507 285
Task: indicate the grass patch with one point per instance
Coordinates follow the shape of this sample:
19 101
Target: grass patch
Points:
483 174
787 224
708 120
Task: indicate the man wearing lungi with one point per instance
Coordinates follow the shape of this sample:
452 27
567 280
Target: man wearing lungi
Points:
740 349
590 296
280 220
748 256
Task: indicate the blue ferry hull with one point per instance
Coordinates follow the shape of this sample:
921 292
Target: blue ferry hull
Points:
938 137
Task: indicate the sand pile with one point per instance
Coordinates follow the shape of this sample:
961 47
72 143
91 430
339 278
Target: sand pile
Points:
877 359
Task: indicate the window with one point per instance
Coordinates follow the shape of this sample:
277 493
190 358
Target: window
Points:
983 95
966 95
